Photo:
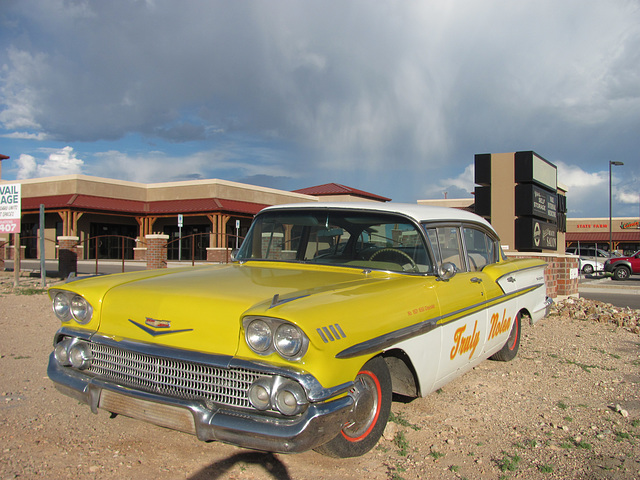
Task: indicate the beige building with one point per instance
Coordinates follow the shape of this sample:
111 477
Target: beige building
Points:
111 218
594 232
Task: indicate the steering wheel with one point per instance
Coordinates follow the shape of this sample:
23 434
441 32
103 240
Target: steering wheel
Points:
394 252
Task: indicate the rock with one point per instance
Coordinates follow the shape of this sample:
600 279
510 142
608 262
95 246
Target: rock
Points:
592 310
390 431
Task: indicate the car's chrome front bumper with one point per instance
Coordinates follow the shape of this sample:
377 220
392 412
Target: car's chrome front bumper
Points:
318 424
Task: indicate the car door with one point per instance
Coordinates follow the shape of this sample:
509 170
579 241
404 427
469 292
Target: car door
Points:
461 301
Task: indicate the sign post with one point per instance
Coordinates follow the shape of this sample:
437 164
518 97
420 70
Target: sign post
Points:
43 264
180 223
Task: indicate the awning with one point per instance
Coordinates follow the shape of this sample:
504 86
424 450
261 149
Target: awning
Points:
137 207
603 237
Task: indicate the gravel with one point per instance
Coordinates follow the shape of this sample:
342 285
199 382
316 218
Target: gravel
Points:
567 407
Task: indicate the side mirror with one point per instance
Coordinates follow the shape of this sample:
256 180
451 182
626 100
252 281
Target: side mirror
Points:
447 271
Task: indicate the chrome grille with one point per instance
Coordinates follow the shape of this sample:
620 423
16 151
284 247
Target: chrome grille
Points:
171 377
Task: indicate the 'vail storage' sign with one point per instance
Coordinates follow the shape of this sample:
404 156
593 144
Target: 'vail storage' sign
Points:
10 208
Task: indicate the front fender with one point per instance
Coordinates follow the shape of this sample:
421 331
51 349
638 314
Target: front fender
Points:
610 267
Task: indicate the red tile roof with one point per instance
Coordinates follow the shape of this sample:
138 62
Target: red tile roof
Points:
88 202
337 189
166 207
53 201
603 237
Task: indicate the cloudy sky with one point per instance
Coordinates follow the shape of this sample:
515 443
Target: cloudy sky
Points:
388 96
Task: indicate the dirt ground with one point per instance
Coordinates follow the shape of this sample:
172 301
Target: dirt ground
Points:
568 407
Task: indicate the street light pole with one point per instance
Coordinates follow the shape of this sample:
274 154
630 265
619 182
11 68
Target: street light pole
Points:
610 213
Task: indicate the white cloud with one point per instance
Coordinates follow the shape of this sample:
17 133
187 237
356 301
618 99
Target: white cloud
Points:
460 186
27 167
465 181
40 136
60 162
156 167
574 176
632 198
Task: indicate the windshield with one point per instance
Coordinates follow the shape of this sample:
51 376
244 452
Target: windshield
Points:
354 239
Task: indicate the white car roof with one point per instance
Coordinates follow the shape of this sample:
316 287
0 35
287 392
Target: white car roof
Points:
419 213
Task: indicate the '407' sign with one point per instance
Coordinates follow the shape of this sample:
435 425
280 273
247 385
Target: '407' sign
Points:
10 208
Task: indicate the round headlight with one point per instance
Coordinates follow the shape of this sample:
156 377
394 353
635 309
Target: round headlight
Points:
288 340
260 394
61 306
259 336
61 352
291 399
80 309
80 355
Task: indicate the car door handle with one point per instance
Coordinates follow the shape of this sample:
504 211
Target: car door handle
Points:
476 280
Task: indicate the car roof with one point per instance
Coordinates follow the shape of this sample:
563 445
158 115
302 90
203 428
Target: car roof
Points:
419 213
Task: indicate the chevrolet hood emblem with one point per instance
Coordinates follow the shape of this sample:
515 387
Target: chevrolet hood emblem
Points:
152 324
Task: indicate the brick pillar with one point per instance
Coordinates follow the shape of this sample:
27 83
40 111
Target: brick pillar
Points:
219 255
11 252
67 256
156 251
2 241
568 269
140 253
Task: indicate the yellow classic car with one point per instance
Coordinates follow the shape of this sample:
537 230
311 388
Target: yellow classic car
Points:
299 343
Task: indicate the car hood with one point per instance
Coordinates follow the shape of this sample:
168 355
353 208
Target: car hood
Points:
201 309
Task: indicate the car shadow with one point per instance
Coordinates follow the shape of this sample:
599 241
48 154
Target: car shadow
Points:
269 463
596 275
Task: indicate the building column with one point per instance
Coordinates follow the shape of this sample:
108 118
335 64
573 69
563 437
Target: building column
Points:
222 230
145 225
67 256
156 251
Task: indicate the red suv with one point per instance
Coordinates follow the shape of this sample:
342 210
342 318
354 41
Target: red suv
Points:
622 267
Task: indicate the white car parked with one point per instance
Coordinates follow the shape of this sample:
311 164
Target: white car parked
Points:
591 259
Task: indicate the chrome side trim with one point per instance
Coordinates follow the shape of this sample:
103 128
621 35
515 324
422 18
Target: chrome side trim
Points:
277 301
510 274
548 303
385 341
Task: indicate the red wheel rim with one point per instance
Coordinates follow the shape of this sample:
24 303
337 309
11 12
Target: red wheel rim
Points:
371 380
512 345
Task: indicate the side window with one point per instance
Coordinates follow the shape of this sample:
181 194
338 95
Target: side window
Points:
445 242
392 245
432 235
481 249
